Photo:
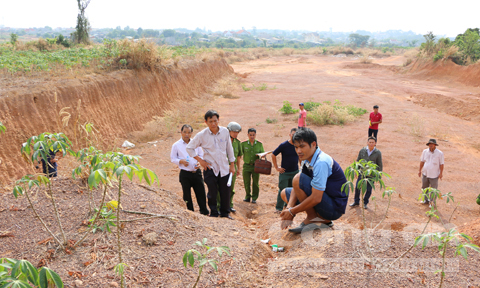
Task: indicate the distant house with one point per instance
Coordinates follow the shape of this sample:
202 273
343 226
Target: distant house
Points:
129 37
311 37
203 40
275 41
227 34
242 33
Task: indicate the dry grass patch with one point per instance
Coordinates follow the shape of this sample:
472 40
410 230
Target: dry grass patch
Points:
227 87
417 126
365 59
172 120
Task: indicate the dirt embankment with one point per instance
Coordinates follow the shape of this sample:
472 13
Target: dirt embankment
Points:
117 103
448 71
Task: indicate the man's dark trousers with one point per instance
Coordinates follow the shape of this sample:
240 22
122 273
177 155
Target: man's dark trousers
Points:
217 184
193 180
367 195
285 180
373 132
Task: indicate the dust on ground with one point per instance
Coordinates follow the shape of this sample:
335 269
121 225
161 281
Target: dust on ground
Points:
406 128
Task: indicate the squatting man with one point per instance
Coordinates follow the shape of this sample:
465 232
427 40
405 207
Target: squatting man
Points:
317 189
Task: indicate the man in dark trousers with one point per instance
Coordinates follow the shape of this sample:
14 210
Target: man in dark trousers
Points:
317 190
218 153
368 153
190 174
374 120
288 169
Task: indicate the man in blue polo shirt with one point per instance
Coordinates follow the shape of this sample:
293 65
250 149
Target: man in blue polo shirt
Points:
317 190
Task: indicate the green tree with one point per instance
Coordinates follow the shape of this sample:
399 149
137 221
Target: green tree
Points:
13 38
82 30
469 45
168 32
428 46
358 40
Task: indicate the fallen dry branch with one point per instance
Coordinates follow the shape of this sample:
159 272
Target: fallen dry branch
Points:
152 215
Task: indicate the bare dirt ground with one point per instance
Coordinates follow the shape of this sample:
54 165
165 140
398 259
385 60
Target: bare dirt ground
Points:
411 115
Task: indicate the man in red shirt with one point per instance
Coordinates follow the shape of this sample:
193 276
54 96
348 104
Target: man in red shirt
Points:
375 119
302 118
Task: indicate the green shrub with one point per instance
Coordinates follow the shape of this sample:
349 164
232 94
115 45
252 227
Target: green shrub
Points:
287 108
334 114
309 106
438 56
271 120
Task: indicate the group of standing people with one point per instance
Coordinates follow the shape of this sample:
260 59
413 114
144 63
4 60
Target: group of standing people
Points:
315 188
218 151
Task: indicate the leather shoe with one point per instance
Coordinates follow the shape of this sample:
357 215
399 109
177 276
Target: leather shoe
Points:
354 204
254 201
246 200
233 210
227 216
365 206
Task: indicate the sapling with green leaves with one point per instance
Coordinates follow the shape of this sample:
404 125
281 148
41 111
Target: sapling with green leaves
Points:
443 239
189 257
389 191
23 187
367 172
427 192
88 158
116 166
431 214
22 274
42 146
433 194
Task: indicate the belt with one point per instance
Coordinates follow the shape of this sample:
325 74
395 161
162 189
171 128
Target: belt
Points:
189 171
249 164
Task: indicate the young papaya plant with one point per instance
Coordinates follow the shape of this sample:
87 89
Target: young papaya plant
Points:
116 167
22 274
23 187
41 146
202 258
368 174
443 239
88 158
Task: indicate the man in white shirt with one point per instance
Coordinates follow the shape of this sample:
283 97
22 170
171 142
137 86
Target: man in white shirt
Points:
218 153
431 167
190 174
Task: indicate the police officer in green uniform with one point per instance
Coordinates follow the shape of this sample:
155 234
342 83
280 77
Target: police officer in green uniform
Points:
250 148
234 128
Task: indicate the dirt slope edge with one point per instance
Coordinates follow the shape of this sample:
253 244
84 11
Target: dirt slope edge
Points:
116 103
447 70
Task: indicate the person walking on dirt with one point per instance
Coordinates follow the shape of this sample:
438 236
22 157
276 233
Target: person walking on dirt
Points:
217 164
374 120
317 190
250 149
368 153
234 128
190 174
288 169
431 168
302 117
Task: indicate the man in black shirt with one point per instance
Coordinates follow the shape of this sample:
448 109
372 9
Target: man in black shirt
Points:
288 168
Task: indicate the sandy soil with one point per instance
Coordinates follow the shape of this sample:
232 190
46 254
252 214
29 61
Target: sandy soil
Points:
410 119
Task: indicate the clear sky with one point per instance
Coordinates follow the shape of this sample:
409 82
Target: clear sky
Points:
442 17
